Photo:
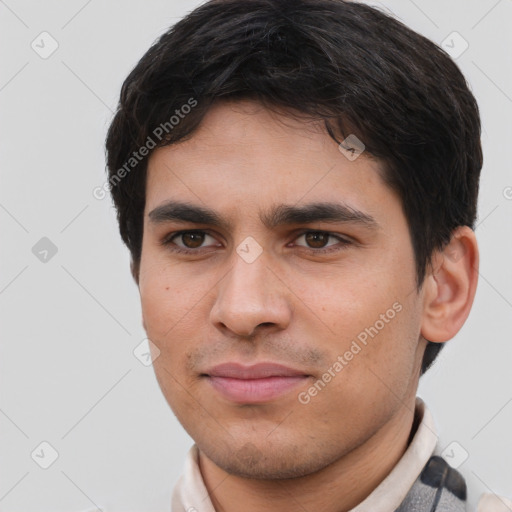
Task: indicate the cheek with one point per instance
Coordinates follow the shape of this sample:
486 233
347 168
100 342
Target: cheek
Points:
154 294
170 321
388 341
174 304
345 300
370 316
162 300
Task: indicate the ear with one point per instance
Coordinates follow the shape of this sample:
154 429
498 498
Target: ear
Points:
450 286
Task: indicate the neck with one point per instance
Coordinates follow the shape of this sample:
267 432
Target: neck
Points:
338 487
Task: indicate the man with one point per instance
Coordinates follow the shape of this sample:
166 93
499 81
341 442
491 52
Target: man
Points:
297 184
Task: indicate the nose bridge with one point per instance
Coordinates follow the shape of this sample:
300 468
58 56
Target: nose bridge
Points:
249 296
248 283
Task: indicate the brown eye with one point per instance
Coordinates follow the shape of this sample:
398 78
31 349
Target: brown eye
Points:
192 240
322 241
317 239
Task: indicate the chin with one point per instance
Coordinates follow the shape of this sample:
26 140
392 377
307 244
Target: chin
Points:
269 463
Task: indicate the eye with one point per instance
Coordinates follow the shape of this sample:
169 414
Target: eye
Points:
321 240
190 240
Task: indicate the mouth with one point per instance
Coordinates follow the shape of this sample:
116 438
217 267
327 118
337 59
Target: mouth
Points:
259 383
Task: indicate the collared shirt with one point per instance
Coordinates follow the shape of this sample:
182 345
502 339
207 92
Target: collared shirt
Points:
403 488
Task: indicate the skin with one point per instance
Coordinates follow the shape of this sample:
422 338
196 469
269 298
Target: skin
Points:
294 305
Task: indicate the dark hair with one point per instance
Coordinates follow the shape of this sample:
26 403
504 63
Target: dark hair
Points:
355 68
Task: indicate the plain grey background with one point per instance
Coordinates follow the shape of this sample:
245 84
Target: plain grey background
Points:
70 312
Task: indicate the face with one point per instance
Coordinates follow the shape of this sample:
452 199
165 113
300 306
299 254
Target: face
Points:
277 280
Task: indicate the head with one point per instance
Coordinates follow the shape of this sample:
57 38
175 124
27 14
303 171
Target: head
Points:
341 151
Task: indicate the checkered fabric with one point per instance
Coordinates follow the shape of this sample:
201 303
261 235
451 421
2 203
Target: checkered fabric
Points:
439 488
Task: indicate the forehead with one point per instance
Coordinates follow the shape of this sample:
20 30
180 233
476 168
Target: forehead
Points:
244 157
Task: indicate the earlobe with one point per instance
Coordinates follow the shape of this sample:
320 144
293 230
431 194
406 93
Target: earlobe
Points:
450 287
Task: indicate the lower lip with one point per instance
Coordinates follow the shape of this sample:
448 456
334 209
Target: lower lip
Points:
255 390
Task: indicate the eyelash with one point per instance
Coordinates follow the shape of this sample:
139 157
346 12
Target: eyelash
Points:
167 242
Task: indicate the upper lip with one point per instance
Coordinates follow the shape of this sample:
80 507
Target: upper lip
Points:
255 371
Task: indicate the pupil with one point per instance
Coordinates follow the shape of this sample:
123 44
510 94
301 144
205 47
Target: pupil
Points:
317 240
193 240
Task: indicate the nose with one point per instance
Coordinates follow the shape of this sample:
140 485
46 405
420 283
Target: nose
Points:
251 297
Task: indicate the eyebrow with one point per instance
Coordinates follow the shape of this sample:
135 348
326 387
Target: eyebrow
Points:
318 212
279 215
